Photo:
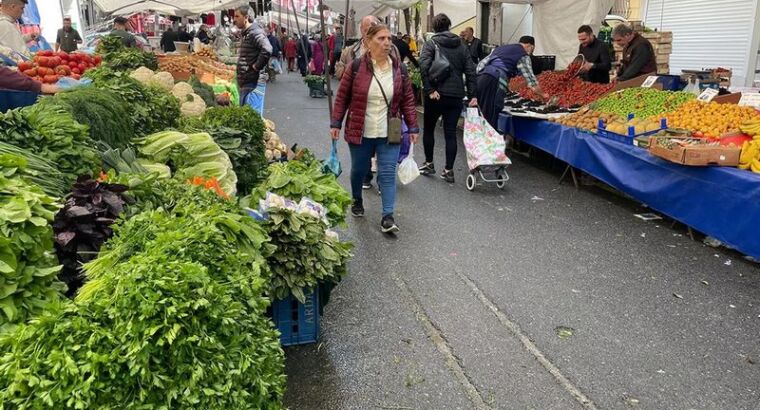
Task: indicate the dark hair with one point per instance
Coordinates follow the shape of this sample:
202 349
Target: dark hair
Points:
441 23
67 18
621 30
585 29
120 20
528 40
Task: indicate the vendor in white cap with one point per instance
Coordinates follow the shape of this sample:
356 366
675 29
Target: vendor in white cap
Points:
10 36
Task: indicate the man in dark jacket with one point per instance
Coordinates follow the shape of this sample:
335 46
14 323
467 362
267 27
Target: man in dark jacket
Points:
598 63
304 55
67 38
638 54
168 39
403 51
443 96
120 30
254 53
506 61
474 45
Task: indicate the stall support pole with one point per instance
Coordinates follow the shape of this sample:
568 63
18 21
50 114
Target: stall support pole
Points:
345 23
327 58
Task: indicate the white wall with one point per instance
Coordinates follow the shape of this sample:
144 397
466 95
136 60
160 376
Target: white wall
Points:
517 21
51 19
709 33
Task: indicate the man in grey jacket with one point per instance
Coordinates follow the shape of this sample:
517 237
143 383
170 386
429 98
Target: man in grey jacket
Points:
255 51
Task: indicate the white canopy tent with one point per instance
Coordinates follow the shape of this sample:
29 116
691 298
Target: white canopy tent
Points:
556 22
174 7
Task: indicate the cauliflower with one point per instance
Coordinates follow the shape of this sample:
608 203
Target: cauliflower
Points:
163 80
182 90
269 124
142 74
194 106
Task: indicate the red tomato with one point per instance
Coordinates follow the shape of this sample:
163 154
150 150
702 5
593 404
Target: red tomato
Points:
65 58
55 61
98 59
43 61
73 64
41 71
31 72
82 67
76 76
76 70
50 79
45 53
23 66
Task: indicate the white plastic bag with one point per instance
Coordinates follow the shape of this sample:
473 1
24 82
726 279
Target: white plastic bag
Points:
407 169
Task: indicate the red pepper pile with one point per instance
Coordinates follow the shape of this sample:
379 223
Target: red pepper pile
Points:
48 67
572 91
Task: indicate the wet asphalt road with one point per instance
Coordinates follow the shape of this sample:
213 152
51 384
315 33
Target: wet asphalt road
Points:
538 296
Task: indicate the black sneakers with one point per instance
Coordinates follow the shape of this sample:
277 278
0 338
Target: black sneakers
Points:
427 168
357 209
388 225
367 183
448 175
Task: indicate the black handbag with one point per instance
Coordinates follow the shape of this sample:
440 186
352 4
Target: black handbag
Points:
440 69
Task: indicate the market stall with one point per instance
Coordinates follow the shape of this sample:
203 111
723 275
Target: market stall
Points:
689 158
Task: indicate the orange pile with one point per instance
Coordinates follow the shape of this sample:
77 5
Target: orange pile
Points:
709 119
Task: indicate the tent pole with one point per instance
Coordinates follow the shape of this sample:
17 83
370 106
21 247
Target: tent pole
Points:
345 22
327 58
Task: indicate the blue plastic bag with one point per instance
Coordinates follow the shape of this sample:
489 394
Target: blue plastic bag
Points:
67 83
405 142
332 164
255 98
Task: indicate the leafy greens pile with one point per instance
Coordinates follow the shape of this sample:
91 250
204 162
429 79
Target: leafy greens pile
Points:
172 317
28 267
296 179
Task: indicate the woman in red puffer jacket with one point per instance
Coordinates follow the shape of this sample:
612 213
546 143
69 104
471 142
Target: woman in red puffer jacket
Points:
367 89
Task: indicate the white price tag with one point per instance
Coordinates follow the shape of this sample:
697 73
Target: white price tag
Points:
750 100
707 95
649 82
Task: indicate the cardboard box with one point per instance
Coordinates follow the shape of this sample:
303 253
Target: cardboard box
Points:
732 98
663 48
696 155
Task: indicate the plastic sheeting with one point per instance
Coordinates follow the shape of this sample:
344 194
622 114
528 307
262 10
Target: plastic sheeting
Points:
174 7
718 201
556 22
31 14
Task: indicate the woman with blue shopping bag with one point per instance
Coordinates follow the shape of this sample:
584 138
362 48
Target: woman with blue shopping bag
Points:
374 98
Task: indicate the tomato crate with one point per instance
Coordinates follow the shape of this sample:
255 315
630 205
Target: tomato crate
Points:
631 136
298 322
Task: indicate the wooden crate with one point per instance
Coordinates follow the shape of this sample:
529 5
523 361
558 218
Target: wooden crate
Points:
662 58
663 48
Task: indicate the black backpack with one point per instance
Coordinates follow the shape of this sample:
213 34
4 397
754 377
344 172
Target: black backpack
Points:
440 69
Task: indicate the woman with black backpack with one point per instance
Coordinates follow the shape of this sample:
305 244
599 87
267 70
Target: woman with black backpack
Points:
444 62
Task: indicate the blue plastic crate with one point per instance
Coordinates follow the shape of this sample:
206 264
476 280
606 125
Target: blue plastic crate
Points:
670 82
627 139
297 322
15 99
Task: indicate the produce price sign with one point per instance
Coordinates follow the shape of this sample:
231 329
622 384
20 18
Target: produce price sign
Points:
649 82
750 100
707 95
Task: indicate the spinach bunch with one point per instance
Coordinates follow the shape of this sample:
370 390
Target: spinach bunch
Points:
296 179
304 255
53 135
173 317
28 267
240 118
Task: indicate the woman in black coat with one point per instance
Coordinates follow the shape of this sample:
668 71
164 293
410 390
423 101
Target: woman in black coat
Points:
444 94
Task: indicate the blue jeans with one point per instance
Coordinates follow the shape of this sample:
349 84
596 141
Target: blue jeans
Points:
387 159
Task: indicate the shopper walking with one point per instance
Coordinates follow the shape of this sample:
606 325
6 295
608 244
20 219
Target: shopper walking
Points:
317 57
506 61
168 39
375 90
474 45
291 51
253 54
304 55
444 93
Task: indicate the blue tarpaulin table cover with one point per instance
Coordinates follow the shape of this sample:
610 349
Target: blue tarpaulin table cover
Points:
721 202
